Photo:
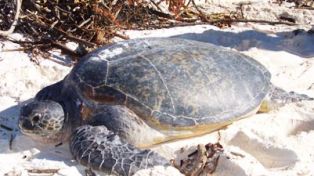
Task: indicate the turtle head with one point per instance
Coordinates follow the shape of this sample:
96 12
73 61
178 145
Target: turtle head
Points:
43 121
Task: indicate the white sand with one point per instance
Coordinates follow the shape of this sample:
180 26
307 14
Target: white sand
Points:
276 143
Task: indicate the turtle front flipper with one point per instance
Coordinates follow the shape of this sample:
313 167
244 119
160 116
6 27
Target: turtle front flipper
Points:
51 92
100 149
278 97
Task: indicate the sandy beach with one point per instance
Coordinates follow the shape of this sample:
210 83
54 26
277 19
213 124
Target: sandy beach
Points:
276 143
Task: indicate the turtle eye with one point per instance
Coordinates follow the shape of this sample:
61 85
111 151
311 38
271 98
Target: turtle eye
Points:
35 119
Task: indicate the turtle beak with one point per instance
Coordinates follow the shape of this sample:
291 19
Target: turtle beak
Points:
25 124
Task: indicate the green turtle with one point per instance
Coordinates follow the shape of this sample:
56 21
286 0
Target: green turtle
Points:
121 99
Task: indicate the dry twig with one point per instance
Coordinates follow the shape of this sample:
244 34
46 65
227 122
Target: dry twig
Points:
11 141
42 171
6 127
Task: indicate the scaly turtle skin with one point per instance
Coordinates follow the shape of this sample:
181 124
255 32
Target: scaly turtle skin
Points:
137 93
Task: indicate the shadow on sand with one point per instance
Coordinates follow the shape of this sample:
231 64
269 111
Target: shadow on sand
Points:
297 42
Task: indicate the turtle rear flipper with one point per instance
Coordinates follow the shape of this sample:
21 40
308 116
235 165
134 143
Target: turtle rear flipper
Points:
278 97
100 149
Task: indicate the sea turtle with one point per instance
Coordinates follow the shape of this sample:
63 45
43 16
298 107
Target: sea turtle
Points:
123 98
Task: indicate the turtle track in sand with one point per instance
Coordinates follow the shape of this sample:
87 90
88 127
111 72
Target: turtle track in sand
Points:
270 156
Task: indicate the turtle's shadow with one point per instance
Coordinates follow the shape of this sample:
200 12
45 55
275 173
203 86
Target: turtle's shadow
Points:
25 146
297 42
9 123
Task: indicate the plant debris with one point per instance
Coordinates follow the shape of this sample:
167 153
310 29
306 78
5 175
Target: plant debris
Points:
42 171
92 23
202 161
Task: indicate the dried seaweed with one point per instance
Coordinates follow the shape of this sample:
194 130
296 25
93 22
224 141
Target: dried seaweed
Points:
90 23
202 161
